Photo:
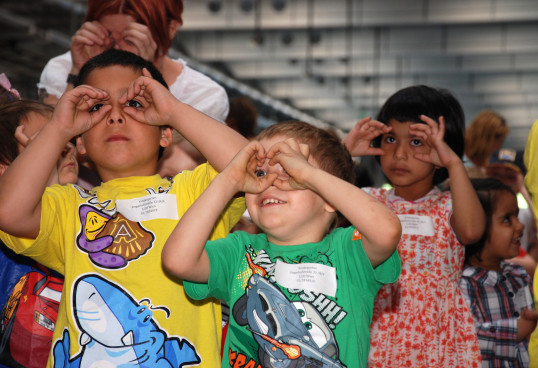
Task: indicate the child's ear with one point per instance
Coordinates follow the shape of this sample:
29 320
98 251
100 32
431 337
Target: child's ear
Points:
166 136
329 208
172 28
3 168
81 149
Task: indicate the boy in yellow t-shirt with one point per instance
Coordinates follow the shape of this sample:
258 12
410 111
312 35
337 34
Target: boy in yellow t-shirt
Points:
531 182
118 307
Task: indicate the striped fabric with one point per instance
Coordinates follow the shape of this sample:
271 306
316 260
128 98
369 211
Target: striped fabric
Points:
496 300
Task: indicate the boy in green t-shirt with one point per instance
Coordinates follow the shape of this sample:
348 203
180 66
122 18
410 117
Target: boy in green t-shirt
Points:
301 293
118 307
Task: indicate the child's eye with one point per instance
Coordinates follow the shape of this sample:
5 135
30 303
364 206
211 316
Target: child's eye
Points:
133 103
260 173
389 139
96 107
416 142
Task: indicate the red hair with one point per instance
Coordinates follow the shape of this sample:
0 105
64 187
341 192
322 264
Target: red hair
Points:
154 14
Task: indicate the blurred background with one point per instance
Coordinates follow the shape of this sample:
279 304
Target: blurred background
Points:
329 63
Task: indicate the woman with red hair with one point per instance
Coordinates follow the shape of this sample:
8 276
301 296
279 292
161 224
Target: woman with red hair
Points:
145 28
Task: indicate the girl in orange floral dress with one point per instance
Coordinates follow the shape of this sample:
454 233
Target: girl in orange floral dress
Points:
422 319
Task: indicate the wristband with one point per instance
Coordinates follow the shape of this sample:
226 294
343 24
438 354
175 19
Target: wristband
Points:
71 78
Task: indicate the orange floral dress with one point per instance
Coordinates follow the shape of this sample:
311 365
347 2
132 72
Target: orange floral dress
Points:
422 320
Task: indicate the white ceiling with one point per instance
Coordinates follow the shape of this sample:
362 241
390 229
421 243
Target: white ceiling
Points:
327 61
484 51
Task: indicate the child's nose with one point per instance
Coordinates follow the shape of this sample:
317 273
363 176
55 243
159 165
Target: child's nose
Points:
519 226
115 116
400 151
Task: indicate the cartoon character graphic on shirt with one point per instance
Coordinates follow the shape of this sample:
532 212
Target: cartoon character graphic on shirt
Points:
118 331
110 239
288 334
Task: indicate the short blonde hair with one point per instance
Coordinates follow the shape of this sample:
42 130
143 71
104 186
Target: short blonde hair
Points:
486 127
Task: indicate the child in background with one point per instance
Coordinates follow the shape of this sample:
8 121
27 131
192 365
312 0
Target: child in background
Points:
507 166
302 291
499 293
118 306
28 289
422 320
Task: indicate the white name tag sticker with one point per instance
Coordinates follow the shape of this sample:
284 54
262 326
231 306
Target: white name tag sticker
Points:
150 207
417 225
314 277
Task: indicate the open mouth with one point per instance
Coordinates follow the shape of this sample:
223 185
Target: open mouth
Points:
270 201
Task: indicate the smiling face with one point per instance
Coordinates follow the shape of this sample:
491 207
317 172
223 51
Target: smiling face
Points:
504 238
119 145
289 217
410 177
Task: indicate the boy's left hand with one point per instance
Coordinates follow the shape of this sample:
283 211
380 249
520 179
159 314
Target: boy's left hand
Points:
294 159
432 135
139 40
156 100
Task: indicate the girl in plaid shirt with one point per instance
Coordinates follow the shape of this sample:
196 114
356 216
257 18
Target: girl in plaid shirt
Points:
499 293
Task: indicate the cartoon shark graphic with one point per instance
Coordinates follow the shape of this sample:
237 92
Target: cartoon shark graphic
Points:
117 331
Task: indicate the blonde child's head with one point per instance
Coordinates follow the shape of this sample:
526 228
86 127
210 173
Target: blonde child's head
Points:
326 150
485 135
325 147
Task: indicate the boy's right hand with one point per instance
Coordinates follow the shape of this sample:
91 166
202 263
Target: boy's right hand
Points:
526 323
359 138
74 115
243 170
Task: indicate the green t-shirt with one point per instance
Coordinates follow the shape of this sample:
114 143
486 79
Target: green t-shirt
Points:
310 302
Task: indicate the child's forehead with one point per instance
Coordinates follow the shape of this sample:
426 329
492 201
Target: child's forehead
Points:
400 128
113 78
112 73
395 122
505 202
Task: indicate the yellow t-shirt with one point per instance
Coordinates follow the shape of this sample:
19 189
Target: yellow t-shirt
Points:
118 305
531 182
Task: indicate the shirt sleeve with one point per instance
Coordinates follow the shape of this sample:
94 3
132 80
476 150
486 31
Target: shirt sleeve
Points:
193 183
223 255
47 248
358 264
201 92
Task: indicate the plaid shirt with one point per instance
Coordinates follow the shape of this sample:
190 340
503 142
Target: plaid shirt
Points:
496 299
